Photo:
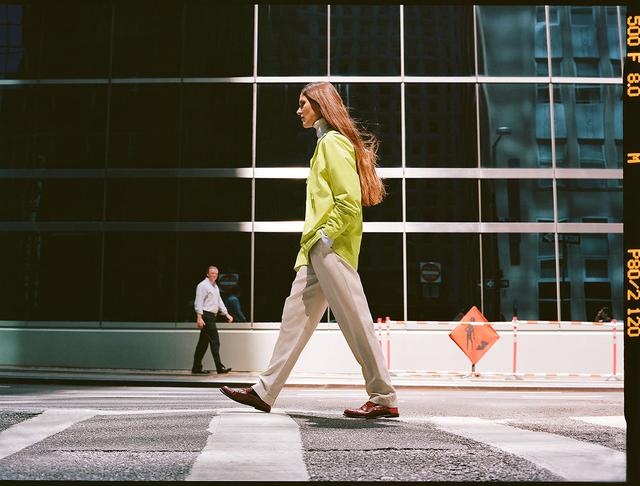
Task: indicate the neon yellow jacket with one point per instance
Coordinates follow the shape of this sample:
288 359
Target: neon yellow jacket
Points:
334 201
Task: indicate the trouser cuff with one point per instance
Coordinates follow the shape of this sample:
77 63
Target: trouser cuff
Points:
263 394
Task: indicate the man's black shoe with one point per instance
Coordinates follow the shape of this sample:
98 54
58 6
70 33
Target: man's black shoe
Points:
200 372
223 370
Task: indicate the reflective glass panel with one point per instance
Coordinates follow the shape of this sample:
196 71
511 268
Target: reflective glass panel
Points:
390 209
70 125
588 126
140 277
144 126
74 39
68 277
51 199
511 40
52 126
20 26
17 113
292 40
380 270
215 199
142 199
275 255
441 125
623 29
218 39
216 125
584 199
438 40
585 42
518 280
513 119
591 275
458 258
442 200
281 140
516 200
377 108
16 285
231 253
147 38
50 276
365 40
280 199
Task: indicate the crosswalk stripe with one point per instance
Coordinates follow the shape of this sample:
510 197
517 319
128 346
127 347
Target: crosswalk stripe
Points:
616 421
35 429
247 445
572 459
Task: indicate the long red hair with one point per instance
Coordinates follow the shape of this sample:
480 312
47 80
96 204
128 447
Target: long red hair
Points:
326 100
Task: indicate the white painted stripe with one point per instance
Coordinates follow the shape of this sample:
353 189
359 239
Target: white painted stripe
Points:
617 421
247 445
35 429
152 411
572 459
323 393
560 397
92 412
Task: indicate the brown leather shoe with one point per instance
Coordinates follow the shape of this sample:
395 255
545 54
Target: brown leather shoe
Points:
246 396
371 410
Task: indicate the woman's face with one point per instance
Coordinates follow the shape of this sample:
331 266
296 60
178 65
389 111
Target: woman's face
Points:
306 112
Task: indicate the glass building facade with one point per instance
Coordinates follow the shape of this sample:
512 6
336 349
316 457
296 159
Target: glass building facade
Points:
137 149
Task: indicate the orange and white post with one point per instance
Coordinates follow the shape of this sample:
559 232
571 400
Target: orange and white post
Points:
515 343
387 319
615 348
378 328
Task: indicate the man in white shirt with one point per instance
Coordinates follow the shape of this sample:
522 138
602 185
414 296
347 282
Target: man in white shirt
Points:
207 305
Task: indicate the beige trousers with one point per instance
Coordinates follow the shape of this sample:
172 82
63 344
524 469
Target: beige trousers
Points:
328 278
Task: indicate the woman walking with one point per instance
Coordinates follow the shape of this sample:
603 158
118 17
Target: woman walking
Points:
342 179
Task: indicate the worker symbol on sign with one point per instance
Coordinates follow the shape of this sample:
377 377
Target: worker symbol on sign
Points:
469 331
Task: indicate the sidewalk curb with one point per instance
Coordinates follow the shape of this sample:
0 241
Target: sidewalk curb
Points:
148 381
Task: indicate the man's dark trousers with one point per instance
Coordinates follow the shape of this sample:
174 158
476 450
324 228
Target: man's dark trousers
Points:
208 335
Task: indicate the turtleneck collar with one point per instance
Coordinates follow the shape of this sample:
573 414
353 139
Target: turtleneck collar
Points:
322 126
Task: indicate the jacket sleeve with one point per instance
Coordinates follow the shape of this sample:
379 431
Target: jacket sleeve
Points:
345 186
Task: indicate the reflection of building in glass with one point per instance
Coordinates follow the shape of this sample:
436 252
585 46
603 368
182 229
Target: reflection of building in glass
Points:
293 39
588 135
365 39
438 40
11 47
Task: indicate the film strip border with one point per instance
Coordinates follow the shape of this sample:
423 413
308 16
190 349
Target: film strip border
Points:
631 174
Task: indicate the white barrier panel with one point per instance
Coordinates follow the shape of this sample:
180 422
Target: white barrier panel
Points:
545 347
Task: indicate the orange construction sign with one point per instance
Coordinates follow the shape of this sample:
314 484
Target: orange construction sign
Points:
474 339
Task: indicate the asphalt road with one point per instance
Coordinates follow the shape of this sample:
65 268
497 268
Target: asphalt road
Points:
131 433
